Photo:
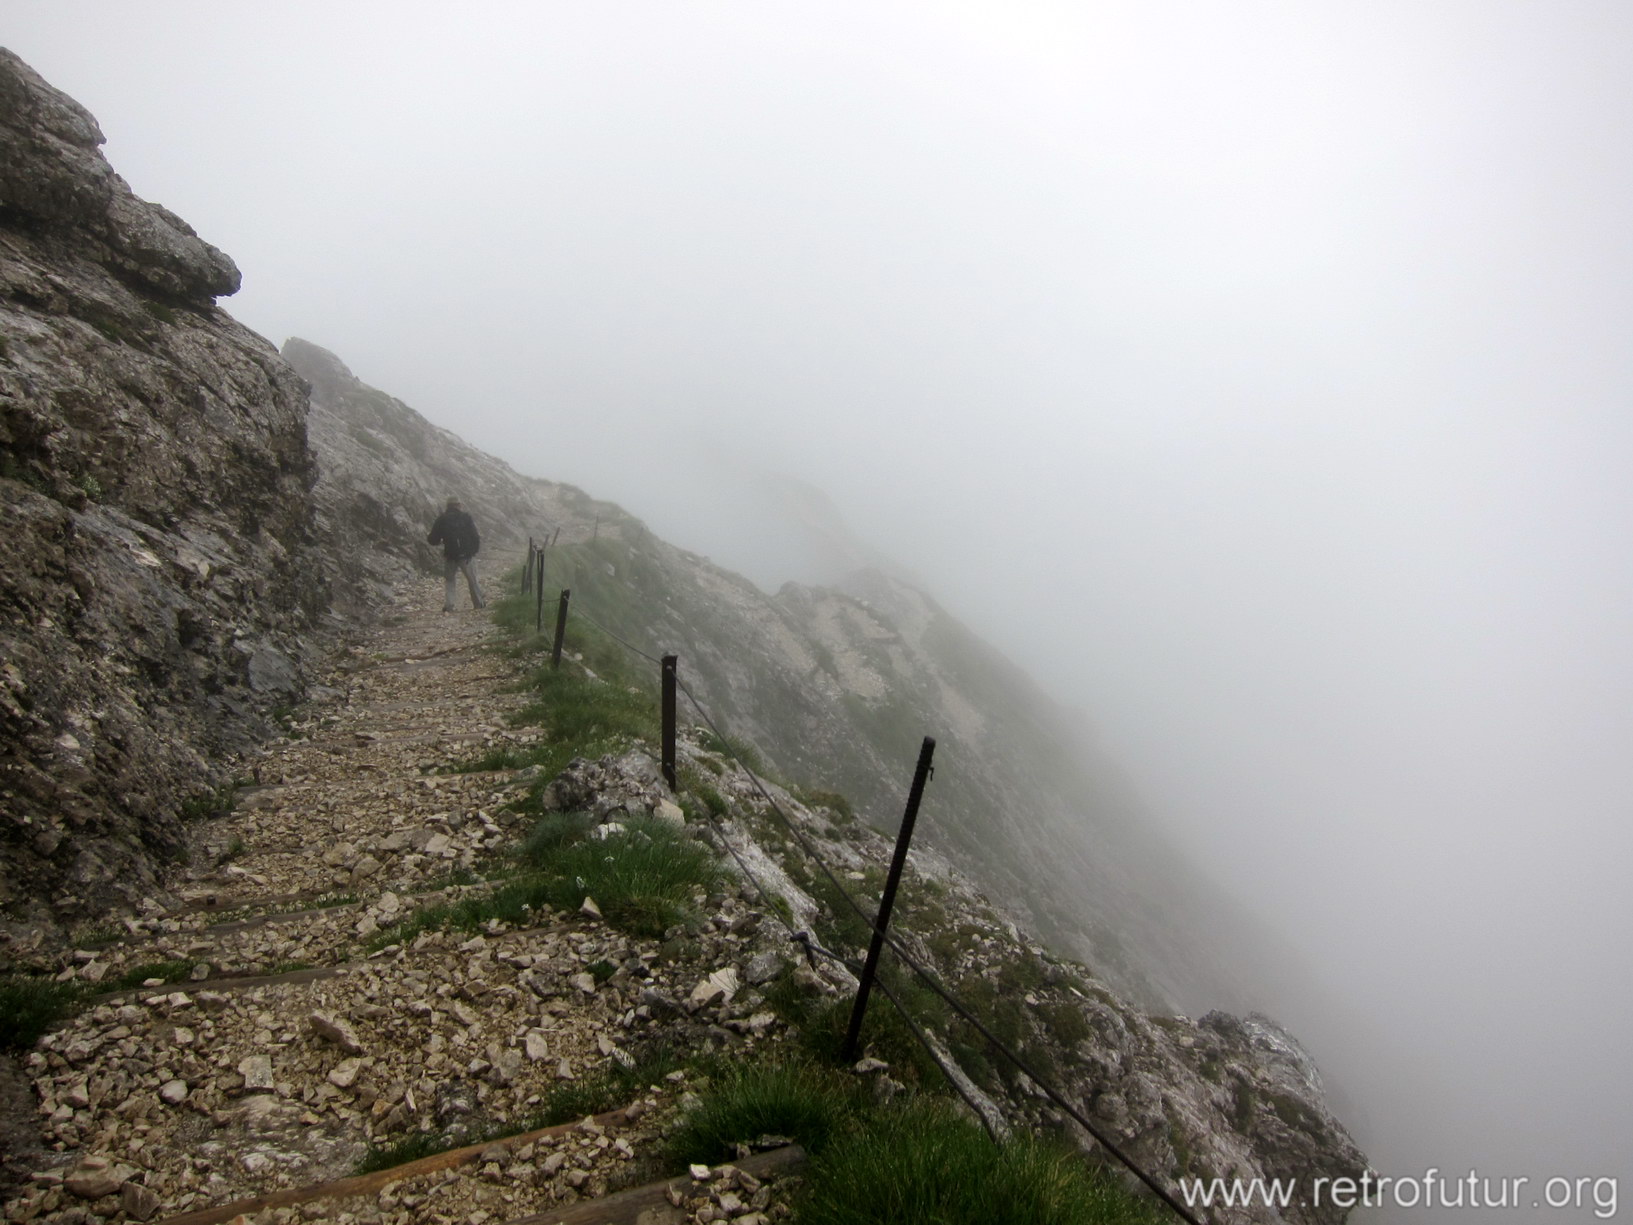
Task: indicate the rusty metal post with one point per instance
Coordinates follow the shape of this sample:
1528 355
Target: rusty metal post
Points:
888 899
669 662
561 630
527 570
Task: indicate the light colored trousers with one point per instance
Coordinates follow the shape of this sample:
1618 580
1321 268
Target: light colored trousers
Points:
451 570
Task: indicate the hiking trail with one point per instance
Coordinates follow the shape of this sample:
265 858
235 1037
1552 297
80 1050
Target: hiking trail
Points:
271 1042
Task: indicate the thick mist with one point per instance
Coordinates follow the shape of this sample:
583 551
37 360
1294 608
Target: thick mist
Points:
1257 376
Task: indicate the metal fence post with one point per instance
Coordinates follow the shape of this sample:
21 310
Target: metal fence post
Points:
888 899
561 630
669 662
538 616
527 570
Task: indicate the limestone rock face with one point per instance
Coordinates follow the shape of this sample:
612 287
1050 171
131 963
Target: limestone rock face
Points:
157 572
385 473
52 174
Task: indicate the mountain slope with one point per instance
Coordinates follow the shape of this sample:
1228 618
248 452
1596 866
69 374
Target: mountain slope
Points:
834 685
191 525
158 570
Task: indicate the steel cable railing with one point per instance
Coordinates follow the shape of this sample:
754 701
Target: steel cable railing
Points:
929 979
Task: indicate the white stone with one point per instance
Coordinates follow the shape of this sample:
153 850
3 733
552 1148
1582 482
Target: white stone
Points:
93 1178
344 1074
173 1092
256 1071
719 987
337 1031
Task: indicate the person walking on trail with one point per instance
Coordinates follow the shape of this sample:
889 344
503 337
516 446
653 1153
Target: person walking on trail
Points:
455 531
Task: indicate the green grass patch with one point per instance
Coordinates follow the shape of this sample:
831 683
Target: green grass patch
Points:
809 1104
1065 1023
642 878
707 796
821 1022
730 746
611 1086
165 971
579 716
835 803
30 1005
98 937
518 903
217 802
551 834
411 1147
921 1163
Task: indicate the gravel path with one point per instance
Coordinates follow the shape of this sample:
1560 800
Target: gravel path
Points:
212 1086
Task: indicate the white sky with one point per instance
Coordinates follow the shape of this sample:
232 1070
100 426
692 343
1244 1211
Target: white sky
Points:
1257 374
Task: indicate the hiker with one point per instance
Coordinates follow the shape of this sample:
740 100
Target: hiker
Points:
456 533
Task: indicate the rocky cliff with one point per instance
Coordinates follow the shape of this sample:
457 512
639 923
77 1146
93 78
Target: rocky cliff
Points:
157 568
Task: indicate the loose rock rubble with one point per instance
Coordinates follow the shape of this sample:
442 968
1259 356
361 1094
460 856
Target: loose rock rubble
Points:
727 1193
183 1094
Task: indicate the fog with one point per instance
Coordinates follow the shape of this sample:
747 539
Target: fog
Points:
1257 375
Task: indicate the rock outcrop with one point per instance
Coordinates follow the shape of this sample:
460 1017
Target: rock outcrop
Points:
156 571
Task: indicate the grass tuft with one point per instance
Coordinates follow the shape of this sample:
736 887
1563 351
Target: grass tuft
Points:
165 971
643 879
800 1101
551 834
921 1163
611 1086
30 1005
411 1147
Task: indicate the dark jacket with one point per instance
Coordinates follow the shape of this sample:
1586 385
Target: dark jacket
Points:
455 531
